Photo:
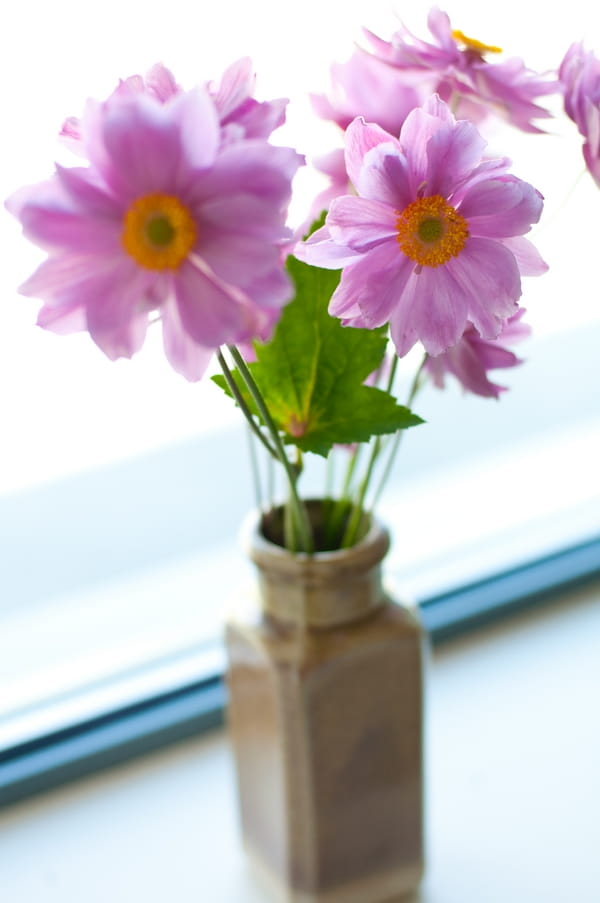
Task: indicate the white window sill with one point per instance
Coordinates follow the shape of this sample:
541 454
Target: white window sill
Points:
513 788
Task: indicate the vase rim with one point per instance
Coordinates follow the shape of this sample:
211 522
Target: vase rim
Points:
374 544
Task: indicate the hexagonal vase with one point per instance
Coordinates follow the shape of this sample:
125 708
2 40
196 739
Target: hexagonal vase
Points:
325 714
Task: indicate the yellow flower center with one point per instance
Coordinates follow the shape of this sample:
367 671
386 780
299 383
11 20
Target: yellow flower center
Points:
430 231
473 44
158 231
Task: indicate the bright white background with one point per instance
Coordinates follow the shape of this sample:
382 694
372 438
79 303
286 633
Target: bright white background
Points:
64 409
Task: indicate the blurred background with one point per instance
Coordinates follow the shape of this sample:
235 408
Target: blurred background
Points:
122 486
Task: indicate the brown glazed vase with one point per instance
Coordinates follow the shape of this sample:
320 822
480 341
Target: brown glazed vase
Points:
325 713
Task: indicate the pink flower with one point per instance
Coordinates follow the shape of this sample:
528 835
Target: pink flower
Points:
165 221
471 358
433 240
362 86
240 115
457 68
579 75
366 86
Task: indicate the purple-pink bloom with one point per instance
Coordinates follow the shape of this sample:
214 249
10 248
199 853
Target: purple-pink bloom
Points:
579 75
166 221
472 357
458 68
361 86
433 240
366 86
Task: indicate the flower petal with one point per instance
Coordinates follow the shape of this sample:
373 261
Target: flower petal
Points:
452 152
115 315
212 312
143 147
433 308
529 259
320 250
384 177
360 137
359 223
185 356
487 274
500 208
371 286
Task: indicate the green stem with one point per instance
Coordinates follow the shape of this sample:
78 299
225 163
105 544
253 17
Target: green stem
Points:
351 532
300 537
239 398
414 388
339 509
258 494
329 476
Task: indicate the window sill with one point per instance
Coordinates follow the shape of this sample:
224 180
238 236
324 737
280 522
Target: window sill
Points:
510 734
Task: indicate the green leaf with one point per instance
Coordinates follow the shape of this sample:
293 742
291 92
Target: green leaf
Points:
312 372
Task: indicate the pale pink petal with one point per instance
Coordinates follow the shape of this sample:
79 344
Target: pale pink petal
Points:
237 83
270 291
529 259
87 194
212 311
360 223
384 177
436 308
66 273
161 83
198 125
241 213
371 286
237 258
63 320
487 274
360 138
252 167
321 251
451 154
53 229
116 316
143 147
501 208
185 356
415 135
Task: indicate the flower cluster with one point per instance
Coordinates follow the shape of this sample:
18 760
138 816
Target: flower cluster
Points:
463 72
177 213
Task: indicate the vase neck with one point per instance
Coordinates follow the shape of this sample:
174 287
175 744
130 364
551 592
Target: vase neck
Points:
321 590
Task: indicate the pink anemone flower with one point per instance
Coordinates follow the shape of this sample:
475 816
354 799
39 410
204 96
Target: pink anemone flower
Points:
458 68
433 239
165 222
579 75
472 357
369 87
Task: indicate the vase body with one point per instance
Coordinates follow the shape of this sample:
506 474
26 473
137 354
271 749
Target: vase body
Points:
325 715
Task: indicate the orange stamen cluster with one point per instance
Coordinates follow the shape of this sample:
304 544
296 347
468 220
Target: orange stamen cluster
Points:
158 231
430 231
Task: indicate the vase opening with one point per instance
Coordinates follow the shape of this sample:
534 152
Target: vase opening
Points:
328 518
